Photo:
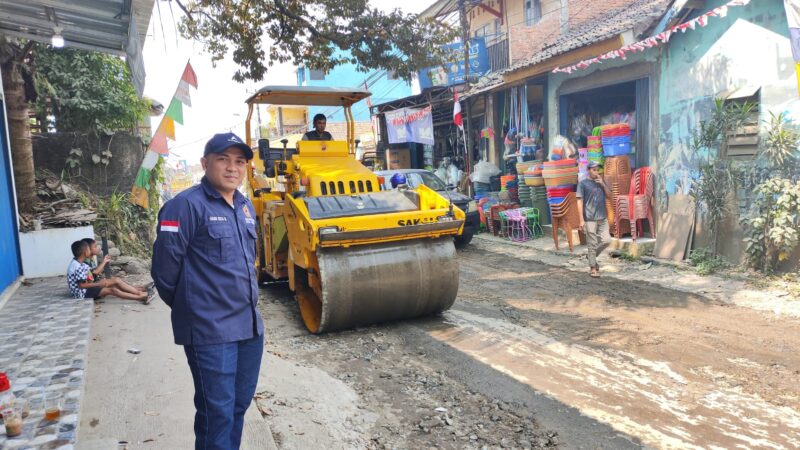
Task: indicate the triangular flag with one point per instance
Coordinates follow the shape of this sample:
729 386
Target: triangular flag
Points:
143 178
175 110
189 75
797 73
139 197
150 159
159 143
167 127
182 93
457 119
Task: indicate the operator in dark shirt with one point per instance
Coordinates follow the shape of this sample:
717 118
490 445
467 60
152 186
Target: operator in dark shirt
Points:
318 133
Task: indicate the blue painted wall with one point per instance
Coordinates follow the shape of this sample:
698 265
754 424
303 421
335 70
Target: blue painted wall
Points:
383 89
9 244
749 47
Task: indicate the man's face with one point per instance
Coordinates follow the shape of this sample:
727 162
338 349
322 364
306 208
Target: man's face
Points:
94 249
87 252
225 171
319 125
594 173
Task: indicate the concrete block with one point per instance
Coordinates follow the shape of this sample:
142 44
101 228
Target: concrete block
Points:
638 248
46 253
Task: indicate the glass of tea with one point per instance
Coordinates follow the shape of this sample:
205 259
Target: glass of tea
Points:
12 419
52 405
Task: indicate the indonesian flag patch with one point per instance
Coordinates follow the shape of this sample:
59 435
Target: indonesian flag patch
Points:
169 225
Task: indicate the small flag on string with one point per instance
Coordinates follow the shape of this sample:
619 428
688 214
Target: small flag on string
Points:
182 93
792 8
167 127
457 119
487 133
175 111
159 143
150 160
189 75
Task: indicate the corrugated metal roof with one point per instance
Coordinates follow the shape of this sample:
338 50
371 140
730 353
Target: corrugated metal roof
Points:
640 14
110 26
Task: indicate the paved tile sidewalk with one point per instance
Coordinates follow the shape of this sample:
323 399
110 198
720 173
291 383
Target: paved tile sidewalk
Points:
43 347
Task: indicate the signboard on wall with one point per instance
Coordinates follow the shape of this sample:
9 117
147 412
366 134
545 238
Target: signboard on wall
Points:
452 72
410 125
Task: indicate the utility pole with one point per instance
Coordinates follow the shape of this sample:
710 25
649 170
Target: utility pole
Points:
462 10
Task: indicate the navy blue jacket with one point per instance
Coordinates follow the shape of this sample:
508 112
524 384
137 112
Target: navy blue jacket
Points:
204 266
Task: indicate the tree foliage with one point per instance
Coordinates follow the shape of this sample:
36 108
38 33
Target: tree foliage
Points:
87 92
320 34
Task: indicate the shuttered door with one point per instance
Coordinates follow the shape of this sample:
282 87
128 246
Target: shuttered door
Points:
9 241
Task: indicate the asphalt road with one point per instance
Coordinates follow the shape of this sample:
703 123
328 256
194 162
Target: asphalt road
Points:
533 356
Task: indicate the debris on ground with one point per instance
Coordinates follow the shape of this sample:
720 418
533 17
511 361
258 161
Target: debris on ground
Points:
60 205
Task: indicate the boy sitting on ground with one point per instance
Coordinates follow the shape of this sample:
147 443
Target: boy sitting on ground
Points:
82 284
97 269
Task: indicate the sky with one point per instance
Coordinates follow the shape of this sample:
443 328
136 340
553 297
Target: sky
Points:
218 102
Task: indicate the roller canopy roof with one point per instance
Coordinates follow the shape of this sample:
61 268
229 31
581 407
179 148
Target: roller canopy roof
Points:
308 96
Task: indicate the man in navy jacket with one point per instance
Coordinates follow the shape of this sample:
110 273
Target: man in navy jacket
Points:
204 269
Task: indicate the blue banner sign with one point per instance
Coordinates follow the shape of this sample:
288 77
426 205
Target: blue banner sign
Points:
410 125
452 72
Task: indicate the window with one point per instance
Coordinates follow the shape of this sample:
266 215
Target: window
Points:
490 31
743 143
483 31
316 75
533 12
301 76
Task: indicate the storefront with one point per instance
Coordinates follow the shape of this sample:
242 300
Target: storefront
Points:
445 141
614 96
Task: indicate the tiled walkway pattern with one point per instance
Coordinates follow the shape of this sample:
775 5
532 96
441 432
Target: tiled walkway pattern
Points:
43 346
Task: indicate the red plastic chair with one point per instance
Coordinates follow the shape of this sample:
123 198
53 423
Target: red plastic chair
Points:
637 205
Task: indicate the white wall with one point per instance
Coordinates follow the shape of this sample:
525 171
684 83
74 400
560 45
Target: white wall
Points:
47 253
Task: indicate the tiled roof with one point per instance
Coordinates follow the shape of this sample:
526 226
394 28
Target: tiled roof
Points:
641 12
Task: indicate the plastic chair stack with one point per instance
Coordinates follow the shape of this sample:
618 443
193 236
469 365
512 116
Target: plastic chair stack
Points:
518 230
499 224
564 213
618 178
637 205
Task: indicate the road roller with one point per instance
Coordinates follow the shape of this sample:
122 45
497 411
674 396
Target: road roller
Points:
353 254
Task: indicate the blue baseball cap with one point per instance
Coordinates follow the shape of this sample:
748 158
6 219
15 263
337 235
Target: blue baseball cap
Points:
223 141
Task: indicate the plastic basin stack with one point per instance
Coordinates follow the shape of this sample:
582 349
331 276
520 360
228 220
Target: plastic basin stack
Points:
616 139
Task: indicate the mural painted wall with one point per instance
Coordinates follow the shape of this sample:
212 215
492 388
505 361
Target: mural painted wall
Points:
749 47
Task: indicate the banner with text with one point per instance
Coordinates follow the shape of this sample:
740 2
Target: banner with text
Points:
410 125
452 72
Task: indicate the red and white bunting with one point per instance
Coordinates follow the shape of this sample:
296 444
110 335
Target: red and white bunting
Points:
654 41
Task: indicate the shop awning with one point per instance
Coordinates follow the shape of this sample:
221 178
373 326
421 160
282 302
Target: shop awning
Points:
110 26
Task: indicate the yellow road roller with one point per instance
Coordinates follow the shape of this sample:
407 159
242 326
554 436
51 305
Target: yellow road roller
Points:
353 254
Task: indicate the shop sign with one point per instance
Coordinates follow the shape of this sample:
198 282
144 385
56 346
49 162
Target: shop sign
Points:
410 125
452 72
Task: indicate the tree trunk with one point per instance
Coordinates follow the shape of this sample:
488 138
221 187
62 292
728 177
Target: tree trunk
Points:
20 131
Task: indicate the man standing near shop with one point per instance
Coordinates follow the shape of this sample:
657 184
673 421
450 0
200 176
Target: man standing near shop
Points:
592 192
204 269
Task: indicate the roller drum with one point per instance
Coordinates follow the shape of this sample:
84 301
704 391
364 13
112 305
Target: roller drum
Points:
378 283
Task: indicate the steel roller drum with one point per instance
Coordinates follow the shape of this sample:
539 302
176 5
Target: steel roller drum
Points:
364 285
